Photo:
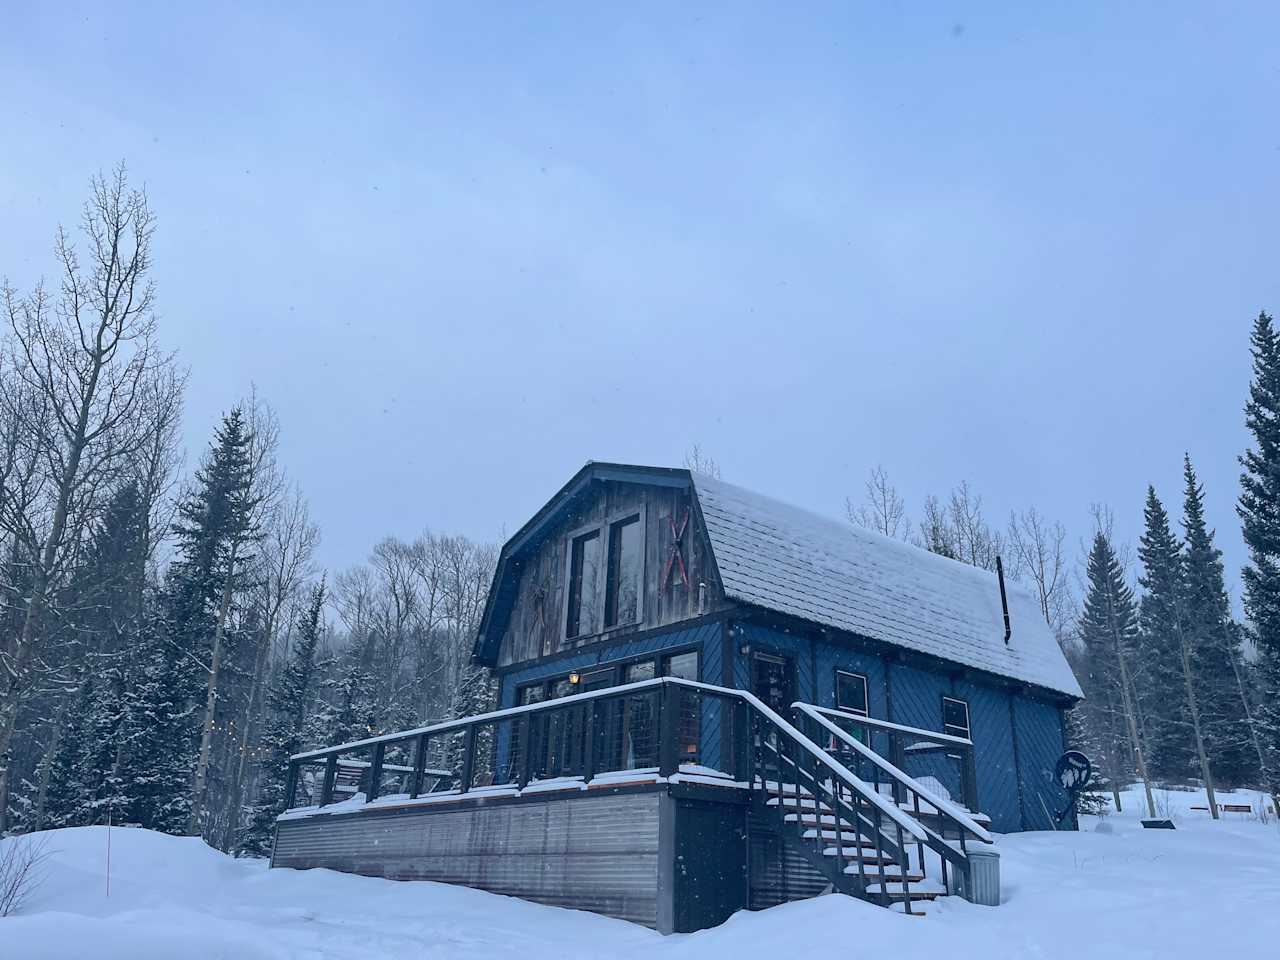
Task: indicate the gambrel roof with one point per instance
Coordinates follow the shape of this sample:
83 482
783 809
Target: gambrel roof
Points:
779 557
771 554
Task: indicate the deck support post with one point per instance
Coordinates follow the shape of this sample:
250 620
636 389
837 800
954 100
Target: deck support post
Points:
589 741
969 780
419 765
375 771
669 729
525 740
468 758
290 784
330 775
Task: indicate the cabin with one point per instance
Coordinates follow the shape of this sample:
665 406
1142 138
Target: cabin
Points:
710 700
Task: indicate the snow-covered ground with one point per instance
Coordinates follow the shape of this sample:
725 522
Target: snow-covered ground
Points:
1112 890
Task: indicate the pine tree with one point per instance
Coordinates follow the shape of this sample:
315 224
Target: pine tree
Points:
216 530
1109 631
156 750
1214 645
1259 510
1161 613
288 701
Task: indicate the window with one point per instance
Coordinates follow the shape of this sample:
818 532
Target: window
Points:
851 693
622 590
583 616
684 666
605 577
640 670
531 693
955 717
597 680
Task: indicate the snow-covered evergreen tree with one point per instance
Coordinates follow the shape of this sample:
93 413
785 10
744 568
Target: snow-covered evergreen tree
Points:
1214 643
1259 510
289 702
1109 632
1161 615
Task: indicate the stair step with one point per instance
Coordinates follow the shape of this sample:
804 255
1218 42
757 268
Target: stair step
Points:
851 850
878 875
872 862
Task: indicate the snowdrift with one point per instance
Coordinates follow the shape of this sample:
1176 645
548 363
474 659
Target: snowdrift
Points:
1112 890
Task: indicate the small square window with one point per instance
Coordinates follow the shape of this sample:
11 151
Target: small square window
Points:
683 666
851 693
955 717
531 693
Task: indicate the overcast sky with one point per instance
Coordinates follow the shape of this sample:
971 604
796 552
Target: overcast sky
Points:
463 252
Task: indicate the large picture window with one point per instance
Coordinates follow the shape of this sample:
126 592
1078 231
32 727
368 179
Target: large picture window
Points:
605 577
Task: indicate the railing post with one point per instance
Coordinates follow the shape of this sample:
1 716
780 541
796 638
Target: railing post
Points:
969 773
898 757
330 774
468 757
525 740
589 740
375 771
741 736
291 784
419 765
669 728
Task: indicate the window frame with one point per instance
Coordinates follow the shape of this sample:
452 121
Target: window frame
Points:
613 528
968 718
866 693
604 529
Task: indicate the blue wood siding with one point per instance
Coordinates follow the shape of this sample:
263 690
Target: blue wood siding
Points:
1014 786
1038 727
915 699
992 729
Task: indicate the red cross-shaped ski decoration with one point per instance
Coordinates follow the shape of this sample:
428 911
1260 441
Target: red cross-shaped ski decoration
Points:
677 550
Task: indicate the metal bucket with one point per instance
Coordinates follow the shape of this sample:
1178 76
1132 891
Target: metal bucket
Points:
982 884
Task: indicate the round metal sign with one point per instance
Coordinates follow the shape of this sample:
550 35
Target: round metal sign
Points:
1073 771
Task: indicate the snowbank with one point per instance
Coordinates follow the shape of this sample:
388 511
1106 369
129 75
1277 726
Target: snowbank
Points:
1112 890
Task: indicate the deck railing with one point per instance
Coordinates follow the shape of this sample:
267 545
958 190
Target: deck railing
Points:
669 728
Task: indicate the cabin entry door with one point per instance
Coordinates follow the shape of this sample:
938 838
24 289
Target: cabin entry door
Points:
773 681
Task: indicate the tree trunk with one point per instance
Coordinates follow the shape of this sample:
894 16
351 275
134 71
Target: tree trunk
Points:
246 729
1131 719
1205 773
201 787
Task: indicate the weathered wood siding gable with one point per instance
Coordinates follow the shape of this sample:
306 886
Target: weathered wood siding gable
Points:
536 625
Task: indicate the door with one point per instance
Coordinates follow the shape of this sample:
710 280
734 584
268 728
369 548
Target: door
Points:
773 681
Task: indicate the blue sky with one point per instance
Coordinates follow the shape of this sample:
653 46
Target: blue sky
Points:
463 251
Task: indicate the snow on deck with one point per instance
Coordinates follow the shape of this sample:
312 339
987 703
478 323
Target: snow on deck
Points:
774 555
1113 890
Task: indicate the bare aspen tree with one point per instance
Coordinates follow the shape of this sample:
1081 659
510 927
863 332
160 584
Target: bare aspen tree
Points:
84 356
882 509
1035 546
699 461
285 563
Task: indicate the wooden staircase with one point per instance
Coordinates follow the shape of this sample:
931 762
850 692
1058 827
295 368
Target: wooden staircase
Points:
893 842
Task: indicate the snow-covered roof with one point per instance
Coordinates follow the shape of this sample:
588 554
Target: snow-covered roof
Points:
778 556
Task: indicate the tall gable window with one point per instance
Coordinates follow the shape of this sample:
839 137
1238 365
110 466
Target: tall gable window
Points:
605 576
626 556
583 616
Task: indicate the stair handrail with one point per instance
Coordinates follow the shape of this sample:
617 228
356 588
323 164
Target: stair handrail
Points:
850 779
956 813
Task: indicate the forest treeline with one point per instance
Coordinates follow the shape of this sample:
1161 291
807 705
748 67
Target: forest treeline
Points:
1177 688
168 639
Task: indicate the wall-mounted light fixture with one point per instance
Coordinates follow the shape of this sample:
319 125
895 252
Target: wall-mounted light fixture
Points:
574 678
